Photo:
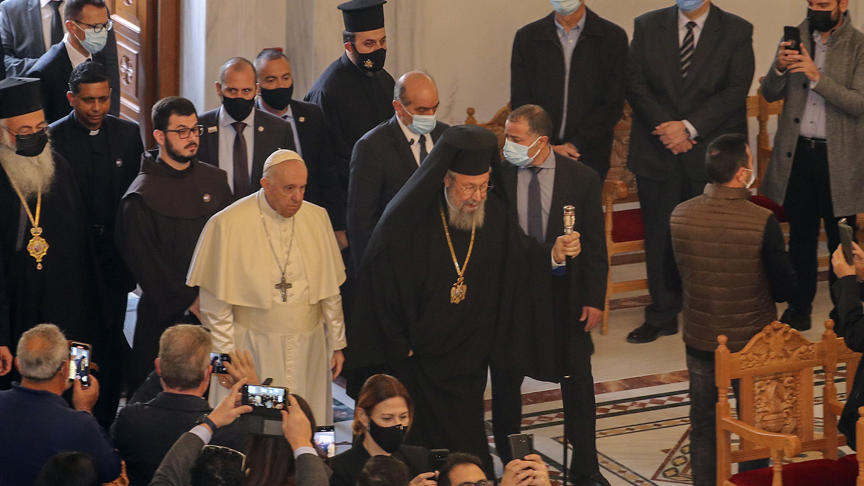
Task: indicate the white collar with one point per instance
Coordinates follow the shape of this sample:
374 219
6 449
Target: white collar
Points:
45 3
700 21
225 120
75 57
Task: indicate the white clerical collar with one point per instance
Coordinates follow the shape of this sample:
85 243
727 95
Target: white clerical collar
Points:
411 136
225 120
75 57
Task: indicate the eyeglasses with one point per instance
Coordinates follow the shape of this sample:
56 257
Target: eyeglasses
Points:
468 191
98 27
482 482
28 133
234 455
185 132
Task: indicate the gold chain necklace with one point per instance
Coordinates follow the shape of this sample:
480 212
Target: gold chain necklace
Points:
37 247
457 293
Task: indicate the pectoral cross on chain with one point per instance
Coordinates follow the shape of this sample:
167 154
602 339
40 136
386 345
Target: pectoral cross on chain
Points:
283 286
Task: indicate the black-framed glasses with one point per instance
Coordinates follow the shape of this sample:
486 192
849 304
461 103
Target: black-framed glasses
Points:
234 456
470 190
28 133
98 27
185 132
482 482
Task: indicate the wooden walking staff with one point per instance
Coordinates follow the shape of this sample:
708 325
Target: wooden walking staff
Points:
569 221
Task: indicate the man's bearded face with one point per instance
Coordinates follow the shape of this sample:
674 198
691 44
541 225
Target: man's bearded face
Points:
466 196
30 174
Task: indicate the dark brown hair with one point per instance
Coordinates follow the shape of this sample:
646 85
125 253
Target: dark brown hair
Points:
378 388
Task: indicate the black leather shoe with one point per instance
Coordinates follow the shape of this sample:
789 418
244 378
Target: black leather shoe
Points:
647 334
796 320
596 479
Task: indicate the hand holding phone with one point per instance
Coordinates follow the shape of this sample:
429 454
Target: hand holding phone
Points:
265 400
325 439
846 240
217 361
792 34
521 445
790 48
79 363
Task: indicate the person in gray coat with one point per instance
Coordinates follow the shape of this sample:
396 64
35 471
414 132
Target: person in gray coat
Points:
815 170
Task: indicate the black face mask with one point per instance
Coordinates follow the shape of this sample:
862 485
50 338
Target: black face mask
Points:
278 98
822 20
387 438
371 62
238 108
31 146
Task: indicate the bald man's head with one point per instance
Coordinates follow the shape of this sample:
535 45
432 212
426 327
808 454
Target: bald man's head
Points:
237 65
415 94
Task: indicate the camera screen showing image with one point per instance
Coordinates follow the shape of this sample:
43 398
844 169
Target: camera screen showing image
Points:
79 363
266 399
325 439
217 360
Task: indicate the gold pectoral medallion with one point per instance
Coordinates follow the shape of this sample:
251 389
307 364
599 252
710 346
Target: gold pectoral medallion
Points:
37 247
457 293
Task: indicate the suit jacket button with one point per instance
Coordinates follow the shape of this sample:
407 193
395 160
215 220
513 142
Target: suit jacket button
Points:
797 120
788 154
805 86
119 163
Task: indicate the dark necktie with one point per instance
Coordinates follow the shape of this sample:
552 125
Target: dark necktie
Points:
241 165
291 136
687 48
535 207
423 152
56 22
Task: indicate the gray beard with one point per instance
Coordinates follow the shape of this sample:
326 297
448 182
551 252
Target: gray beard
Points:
465 221
28 173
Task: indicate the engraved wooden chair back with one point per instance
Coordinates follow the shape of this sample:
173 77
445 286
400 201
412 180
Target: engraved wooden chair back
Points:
495 125
837 353
775 372
762 154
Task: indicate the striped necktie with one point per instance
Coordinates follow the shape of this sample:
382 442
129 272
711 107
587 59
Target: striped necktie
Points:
687 48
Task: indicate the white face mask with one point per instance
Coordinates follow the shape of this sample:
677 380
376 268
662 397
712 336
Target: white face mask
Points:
752 177
566 7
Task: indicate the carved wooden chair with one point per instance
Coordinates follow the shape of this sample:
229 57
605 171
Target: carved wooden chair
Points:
776 371
624 234
495 125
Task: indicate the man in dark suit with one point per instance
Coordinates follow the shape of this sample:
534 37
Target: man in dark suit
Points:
237 137
276 83
573 63
28 29
690 70
542 182
105 155
385 158
145 431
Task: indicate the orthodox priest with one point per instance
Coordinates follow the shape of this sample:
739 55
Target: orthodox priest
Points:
355 92
47 263
437 282
269 271
160 219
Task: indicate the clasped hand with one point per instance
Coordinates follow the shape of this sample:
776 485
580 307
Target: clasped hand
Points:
673 135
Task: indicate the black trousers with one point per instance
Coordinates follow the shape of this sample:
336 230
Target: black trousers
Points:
807 203
580 414
657 199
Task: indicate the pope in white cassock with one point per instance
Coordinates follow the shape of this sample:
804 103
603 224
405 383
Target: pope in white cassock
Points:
269 271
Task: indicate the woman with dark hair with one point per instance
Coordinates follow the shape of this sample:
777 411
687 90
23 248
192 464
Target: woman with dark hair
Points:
382 416
270 458
69 469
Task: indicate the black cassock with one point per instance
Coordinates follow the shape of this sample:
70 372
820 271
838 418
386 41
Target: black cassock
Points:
158 225
66 291
353 103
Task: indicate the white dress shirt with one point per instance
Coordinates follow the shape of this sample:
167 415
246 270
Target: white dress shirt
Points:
47 16
75 57
414 140
227 134
683 20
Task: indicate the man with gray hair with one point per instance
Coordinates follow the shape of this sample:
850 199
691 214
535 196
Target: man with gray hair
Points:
385 158
145 431
38 421
48 272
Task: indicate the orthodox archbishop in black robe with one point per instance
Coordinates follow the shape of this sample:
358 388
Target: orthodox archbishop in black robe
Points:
440 350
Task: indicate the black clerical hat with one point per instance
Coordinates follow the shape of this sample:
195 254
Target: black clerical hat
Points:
19 96
473 149
363 15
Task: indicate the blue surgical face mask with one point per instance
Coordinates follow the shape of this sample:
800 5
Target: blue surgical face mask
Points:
94 42
689 5
518 154
566 7
422 124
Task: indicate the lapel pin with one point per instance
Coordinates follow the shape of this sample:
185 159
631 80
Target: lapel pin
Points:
260 129
212 129
302 119
119 163
206 198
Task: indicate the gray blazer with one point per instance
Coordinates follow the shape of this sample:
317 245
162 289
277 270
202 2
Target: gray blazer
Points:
174 470
842 86
23 44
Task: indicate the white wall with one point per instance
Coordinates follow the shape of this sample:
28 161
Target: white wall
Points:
464 44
